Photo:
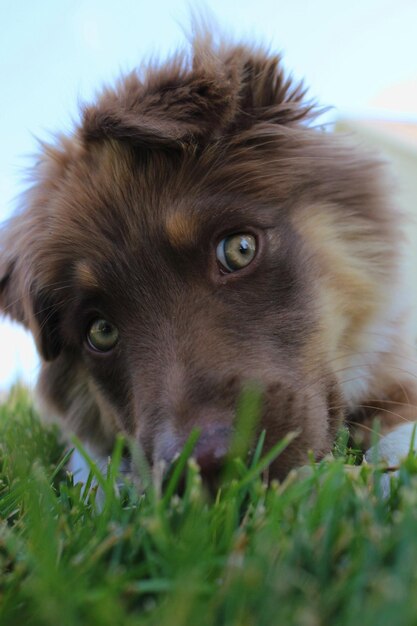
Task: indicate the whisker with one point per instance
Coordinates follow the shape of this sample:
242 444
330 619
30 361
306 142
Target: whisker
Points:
379 410
385 401
367 428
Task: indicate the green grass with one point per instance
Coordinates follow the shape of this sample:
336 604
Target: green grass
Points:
321 548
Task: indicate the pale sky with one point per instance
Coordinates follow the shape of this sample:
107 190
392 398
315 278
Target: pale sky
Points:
55 54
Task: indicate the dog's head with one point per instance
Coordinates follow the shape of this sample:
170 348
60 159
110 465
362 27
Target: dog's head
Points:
193 236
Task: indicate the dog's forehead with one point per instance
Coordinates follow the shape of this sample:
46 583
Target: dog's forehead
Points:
124 195
116 210
150 195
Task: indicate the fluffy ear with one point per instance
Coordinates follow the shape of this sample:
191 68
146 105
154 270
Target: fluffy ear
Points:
214 90
173 107
267 93
10 302
22 301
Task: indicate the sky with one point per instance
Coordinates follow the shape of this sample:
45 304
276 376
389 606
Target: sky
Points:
358 56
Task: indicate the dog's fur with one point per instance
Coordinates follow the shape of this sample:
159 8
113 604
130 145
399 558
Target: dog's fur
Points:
123 220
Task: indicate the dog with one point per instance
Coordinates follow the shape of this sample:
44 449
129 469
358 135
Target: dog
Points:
197 234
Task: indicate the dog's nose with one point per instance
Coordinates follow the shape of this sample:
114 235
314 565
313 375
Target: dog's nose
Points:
210 452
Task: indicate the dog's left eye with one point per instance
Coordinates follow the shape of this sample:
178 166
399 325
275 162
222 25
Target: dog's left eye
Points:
102 336
236 251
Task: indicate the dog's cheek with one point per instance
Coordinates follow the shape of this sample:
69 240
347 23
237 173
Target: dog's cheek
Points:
65 391
313 412
109 380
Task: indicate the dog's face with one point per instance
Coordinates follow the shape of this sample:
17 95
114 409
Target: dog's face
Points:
169 256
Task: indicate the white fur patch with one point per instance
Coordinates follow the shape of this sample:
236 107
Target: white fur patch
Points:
394 446
390 450
79 467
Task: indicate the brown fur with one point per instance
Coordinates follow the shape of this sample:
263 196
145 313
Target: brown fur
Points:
122 222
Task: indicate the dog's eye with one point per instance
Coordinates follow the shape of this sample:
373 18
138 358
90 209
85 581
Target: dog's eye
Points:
236 251
102 335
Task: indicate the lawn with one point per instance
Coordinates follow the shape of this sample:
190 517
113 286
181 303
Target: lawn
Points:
323 547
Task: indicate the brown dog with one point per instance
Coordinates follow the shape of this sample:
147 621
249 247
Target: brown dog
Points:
195 234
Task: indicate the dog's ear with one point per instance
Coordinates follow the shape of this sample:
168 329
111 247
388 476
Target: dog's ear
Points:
266 92
172 107
23 301
217 90
10 303
25 279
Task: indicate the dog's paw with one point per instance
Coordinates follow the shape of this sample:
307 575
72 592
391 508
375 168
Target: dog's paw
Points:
390 451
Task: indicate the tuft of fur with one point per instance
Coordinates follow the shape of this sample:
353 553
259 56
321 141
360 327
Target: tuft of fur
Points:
123 221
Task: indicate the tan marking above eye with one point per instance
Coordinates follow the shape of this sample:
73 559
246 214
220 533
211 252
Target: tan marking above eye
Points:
85 276
181 229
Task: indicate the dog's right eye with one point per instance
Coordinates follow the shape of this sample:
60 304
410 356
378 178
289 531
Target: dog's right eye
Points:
236 251
102 336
